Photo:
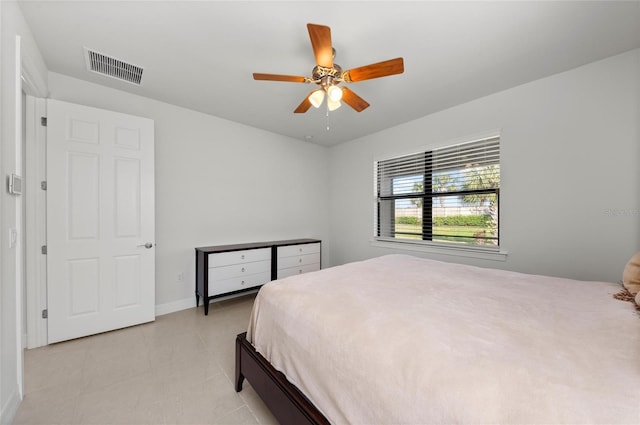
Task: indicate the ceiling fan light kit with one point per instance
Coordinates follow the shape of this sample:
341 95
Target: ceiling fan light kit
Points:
332 105
316 98
335 93
329 75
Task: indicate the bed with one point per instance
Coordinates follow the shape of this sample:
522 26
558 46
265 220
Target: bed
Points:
400 339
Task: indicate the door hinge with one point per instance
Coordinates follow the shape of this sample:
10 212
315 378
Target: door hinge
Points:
43 121
43 185
43 248
45 313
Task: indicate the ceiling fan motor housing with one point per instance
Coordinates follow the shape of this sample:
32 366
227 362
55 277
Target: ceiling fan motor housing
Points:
319 72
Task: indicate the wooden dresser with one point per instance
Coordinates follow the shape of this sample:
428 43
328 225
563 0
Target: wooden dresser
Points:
226 270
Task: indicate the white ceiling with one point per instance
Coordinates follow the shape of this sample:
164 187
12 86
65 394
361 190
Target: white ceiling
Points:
201 54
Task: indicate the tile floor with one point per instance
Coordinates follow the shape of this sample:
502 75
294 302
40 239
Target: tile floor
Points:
176 370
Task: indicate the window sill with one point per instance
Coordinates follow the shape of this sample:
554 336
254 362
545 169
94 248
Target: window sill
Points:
471 252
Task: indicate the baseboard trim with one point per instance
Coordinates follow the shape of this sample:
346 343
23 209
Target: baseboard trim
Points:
10 408
173 306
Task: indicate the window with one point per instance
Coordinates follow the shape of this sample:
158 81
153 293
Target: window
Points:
448 195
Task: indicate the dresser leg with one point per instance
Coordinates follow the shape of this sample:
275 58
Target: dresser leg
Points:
197 300
206 306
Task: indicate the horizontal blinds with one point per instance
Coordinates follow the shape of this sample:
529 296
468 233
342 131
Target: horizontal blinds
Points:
465 167
450 169
399 175
417 193
473 154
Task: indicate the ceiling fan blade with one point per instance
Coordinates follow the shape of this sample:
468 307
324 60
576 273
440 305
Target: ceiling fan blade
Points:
375 70
277 77
304 106
320 36
353 100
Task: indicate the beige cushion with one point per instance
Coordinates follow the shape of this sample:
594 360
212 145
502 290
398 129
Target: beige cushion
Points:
638 299
631 274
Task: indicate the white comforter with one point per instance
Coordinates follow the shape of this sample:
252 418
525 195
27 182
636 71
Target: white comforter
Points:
405 340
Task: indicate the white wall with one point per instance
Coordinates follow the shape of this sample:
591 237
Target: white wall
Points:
217 182
12 26
570 202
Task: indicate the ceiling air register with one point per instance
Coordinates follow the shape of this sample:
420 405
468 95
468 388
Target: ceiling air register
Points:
112 67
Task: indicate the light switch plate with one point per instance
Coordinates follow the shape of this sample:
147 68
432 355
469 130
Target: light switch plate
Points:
15 184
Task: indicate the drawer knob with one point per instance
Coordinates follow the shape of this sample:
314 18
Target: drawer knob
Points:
300 249
243 270
242 257
242 283
300 261
299 271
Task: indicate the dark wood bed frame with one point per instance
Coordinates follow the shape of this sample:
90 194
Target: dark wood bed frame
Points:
285 401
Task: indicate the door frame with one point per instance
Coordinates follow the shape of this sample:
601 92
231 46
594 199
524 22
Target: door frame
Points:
35 282
36 237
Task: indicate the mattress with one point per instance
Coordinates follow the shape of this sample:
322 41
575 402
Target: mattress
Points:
405 340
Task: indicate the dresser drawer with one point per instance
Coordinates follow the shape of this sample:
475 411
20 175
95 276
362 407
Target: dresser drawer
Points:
238 283
285 272
298 260
302 249
239 257
238 270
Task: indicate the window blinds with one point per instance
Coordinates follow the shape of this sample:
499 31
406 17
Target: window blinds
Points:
462 163
471 165
415 193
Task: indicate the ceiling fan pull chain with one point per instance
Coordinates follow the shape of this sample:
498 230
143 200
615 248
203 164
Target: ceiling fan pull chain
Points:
328 128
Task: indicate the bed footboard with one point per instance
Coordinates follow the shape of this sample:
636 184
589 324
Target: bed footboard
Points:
284 400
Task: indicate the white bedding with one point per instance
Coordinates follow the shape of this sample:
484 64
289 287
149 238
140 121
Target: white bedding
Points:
404 340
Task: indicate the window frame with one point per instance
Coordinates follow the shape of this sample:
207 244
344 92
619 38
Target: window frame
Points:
426 242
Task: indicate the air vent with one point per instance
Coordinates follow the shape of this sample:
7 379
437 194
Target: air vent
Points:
112 67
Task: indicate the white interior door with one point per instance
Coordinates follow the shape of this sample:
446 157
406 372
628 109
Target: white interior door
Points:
100 215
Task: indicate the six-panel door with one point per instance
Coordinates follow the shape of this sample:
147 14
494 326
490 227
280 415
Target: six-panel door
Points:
100 220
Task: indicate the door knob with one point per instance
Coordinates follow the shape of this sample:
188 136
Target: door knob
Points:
147 245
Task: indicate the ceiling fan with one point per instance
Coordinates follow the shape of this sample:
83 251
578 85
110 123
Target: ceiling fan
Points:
328 75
